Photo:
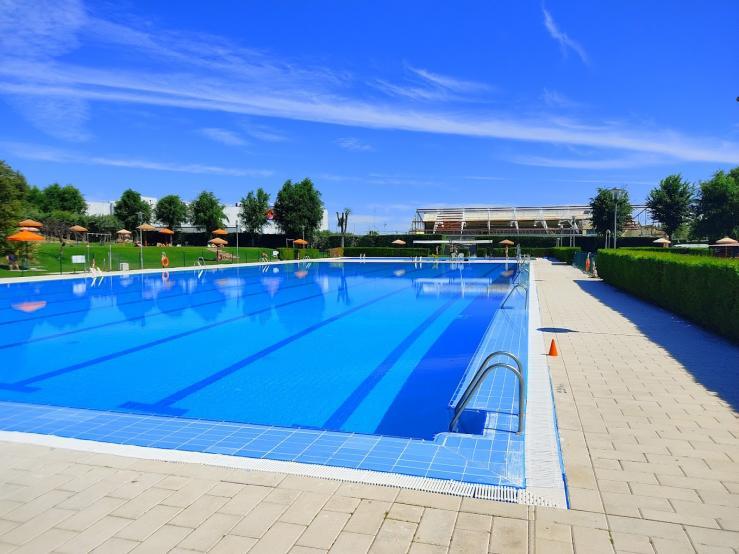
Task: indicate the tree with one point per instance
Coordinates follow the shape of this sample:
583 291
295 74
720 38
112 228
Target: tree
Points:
207 212
63 198
128 208
13 189
671 203
104 224
171 211
253 214
58 222
298 208
342 219
603 205
717 210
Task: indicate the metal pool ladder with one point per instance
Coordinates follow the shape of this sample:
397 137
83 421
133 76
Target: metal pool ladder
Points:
516 286
482 372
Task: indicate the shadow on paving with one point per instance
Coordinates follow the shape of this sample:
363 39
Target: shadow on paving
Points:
712 360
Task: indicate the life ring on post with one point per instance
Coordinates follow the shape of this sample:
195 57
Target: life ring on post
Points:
165 260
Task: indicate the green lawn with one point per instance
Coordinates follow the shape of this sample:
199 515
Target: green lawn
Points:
45 259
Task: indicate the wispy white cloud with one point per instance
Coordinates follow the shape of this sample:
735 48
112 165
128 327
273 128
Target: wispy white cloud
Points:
353 144
565 42
50 154
427 86
624 162
208 73
482 178
224 136
555 99
451 83
265 134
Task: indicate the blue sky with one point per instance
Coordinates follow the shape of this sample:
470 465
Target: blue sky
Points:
387 106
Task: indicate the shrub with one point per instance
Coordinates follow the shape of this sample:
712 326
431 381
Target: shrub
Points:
294 253
703 289
380 252
683 251
563 254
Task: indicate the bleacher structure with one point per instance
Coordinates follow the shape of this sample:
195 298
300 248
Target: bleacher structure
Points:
542 221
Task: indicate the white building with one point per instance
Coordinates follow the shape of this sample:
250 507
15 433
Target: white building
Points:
96 207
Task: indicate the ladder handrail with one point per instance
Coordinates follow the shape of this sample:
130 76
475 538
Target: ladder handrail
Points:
510 292
479 377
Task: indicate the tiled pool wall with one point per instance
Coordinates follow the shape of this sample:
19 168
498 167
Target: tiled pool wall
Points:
494 458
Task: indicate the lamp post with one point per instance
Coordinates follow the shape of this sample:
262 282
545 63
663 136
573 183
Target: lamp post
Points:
616 192
141 241
238 230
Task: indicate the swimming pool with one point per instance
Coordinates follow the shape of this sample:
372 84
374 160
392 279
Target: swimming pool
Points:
340 363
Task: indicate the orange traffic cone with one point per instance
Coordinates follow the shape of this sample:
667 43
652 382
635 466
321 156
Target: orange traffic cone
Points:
553 349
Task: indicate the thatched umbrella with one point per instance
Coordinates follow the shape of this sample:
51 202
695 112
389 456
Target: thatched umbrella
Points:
506 243
221 232
725 243
398 242
78 230
218 242
169 232
145 227
30 223
662 242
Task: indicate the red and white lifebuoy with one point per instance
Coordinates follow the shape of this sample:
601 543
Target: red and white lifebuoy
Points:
165 260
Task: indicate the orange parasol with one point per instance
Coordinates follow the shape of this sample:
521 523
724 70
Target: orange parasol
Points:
506 242
166 231
220 232
218 241
300 242
30 223
25 236
146 227
78 229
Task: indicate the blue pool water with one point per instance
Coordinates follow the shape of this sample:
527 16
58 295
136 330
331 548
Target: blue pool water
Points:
375 348
348 364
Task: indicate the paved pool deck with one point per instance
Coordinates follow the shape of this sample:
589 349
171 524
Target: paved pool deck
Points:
647 408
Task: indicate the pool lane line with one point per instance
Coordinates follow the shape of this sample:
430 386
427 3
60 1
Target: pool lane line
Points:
149 316
22 385
352 402
163 406
210 288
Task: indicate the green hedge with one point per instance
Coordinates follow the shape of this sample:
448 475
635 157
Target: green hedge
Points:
682 251
705 290
563 254
378 252
292 253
